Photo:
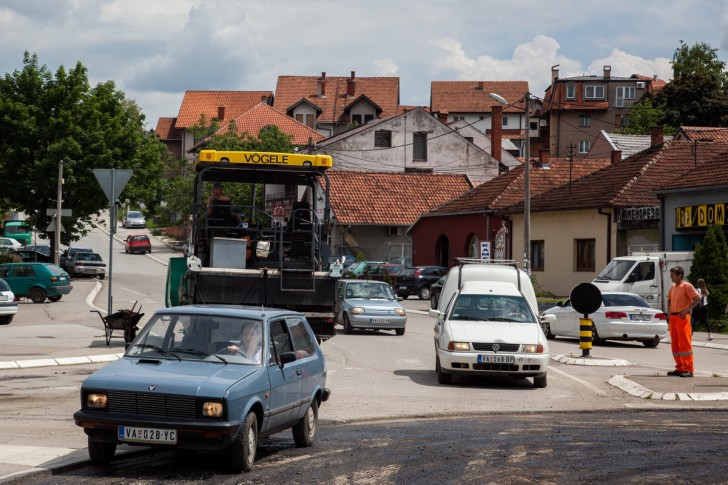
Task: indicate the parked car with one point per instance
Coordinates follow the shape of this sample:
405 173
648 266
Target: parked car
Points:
41 248
8 305
183 383
70 253
36 281
18 230
9 244
435 290
380 272
358 268
417 281
487 325
133 219
622 316
87 264
368 305
137 243
27 255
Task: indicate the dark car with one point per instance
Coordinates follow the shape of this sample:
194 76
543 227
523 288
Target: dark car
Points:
417 281
70 253
435 290
208 378
27 256
41 248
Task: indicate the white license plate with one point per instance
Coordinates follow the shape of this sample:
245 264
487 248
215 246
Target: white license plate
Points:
379 320
496 359
4 297
640 317
402 287
147 435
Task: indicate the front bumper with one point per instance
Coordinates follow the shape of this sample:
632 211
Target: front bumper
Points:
89 270
377 321
525 365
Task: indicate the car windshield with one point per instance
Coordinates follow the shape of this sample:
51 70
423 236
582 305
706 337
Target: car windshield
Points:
493 308
210 338
616 270
88 257
614 299
134 215
370 291
17 229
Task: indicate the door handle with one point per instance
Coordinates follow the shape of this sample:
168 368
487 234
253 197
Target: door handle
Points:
299 372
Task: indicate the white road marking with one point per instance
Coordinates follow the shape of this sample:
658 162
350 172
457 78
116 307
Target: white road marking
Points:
580 381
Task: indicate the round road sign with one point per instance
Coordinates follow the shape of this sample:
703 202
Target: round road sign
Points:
586 298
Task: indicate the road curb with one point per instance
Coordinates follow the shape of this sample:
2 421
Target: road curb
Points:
594 361
638 390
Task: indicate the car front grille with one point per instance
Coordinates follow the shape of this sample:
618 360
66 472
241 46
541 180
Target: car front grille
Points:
488 347
497 367
152 404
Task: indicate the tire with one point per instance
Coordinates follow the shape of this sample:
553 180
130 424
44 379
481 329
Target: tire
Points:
241 454
651 344
100 453
37 295
442 378
399 331
403 295
150 250
539 382
304 432
348 329
6 319
102 276
424 293
55 298
126 250
433 303
546 327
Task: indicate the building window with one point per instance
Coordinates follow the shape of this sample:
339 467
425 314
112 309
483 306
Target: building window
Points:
593 92
383 139
458 118
571 91
306 119
356 119
624 92
537 255
473 246
469 138
585 255
368 118
584 121
419 147
584 146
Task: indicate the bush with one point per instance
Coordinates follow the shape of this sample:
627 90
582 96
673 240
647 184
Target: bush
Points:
9 258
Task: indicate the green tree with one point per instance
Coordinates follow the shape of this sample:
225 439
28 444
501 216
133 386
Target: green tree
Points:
46 118
644 115
696 96
710 262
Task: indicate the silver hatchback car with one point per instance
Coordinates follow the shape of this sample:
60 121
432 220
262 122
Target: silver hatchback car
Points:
368 304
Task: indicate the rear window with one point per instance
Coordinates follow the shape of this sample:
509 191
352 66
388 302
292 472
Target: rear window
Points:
88 257
4 286
139 238
55 270
624 300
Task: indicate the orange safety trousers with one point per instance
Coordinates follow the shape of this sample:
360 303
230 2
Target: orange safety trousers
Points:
681 343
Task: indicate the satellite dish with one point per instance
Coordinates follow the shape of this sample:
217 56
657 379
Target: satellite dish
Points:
586 298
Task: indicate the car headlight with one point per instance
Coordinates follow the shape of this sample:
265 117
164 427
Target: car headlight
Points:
357 310
458 346
212 409
400 312
96 400
533 348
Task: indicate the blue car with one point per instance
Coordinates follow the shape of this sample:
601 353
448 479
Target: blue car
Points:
368 304
208 378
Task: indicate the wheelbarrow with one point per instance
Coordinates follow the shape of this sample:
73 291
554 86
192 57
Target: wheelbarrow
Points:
125 320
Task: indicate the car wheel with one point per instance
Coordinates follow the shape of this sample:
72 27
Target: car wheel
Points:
595 336
424 293
150 250
37 295
55 298
399 331
539 382
442 378
433 302
101 277
546 326
100 453
403 295
348 329
126 250
651 344
6 319
242 452
304 432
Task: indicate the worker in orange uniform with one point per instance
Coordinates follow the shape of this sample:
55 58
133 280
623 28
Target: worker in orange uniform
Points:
682 298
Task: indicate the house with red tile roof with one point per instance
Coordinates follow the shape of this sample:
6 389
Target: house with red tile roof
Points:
606 143
370 211
457 228
334 104
702 133
413 141
170 135
576 109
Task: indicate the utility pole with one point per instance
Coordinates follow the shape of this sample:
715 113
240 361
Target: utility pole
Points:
57 233
571 161
527 183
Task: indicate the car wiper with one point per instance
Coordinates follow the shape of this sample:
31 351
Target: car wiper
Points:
200 352
158 349
502 319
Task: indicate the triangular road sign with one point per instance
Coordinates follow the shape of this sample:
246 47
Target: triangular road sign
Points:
112 181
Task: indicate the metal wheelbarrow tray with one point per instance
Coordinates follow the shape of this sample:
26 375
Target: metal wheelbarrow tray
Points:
125 320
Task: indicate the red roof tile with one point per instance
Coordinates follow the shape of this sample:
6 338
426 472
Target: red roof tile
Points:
384 91
389 198
711 172
263 115
474 96
235 103
703 133
166 129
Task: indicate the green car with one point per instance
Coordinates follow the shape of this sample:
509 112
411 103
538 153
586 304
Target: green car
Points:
36 281
19 231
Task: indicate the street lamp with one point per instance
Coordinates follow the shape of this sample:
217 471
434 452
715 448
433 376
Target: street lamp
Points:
526 179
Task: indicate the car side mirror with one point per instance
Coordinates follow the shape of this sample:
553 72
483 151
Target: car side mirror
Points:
287 357
435 313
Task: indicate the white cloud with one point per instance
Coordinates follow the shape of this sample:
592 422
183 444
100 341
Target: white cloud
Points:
624 65
386 67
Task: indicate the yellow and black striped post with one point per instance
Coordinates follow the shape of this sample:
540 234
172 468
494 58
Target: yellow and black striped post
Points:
585 336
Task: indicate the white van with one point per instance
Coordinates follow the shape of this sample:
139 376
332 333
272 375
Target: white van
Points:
487 324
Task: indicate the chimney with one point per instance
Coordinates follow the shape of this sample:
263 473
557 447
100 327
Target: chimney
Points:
616 156
554 73
656 136
322 86
607 72
480 86
264 99
350 84
220 113
544 156
618 120
496 131
442 116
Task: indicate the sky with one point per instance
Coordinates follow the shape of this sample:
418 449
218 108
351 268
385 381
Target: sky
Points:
154 50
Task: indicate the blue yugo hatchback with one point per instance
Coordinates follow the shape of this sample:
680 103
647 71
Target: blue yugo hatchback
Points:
208 378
